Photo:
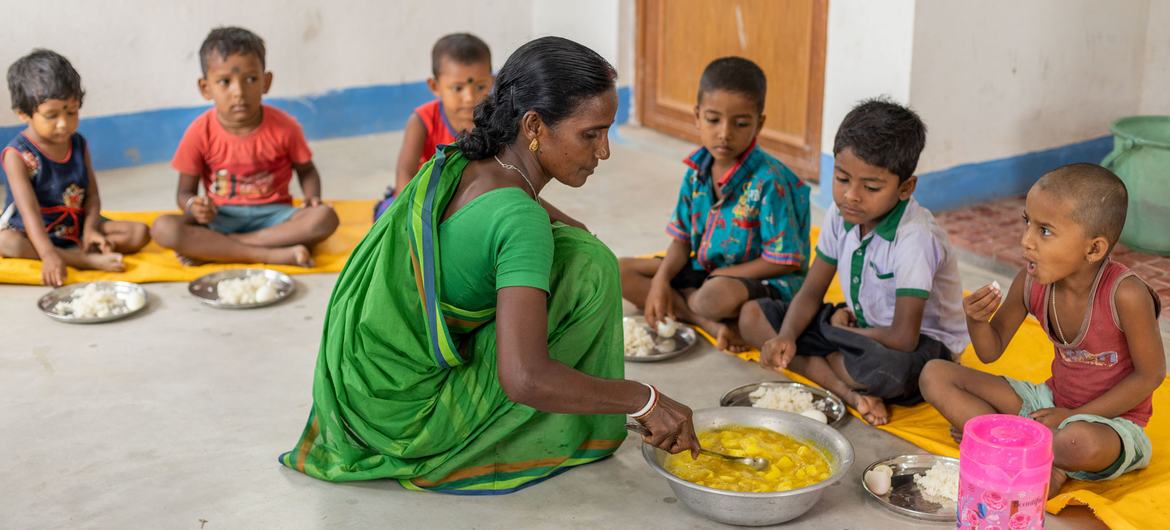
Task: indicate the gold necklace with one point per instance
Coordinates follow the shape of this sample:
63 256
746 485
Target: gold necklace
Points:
522 175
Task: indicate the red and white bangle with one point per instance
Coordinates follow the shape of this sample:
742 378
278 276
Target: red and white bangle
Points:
650 403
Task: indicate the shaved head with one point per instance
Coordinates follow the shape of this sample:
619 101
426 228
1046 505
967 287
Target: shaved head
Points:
1097 196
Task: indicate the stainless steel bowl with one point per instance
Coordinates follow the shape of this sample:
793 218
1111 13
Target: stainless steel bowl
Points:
757 509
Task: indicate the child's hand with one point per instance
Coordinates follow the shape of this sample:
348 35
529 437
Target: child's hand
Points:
777 352
53 270
843 318
658 303
203 210
1051 417
313 201
982 303
92 240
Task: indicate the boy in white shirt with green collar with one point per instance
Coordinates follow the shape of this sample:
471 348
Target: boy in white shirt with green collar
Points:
904 300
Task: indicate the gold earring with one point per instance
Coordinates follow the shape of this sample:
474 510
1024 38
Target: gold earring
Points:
534 145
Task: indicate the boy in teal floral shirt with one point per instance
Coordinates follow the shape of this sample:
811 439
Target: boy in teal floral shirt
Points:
741 227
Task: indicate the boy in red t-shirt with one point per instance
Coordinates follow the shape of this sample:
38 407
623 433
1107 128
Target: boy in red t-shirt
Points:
461 64
1101 317
244 153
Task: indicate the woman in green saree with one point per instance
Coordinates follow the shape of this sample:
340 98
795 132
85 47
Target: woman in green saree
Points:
470 345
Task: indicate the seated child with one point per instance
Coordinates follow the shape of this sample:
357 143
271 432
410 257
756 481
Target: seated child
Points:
896 267
1103 323
52 211
461 65
244 153
740 228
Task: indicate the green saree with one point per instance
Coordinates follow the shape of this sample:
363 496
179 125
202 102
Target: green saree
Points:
406 384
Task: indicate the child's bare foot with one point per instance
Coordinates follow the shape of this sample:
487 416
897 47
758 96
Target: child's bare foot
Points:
1056 481
295 255
728 339
187 261
110 261
957 434
871 408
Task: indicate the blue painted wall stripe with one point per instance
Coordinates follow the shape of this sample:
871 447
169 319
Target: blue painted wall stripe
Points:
977 182
151 136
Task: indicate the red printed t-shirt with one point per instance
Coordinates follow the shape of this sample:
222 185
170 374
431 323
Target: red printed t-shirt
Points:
243 170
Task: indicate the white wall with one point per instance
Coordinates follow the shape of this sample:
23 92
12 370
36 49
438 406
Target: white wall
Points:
136 55
1001 77
596 23
868 54
1156 79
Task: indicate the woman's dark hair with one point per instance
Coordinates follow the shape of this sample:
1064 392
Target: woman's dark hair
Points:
40 76
549 75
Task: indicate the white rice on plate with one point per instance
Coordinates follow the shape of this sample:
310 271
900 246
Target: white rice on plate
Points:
941 481
788 398
92 301
251 289
638 342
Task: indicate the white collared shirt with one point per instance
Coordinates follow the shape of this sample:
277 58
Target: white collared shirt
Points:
906 254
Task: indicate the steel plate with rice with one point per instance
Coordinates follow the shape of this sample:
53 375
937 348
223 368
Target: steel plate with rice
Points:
663 348
94 302
905 497
206 288
824 401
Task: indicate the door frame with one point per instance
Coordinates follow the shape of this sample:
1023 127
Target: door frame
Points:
803 160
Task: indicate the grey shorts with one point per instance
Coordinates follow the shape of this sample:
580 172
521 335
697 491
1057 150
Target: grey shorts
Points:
1135 444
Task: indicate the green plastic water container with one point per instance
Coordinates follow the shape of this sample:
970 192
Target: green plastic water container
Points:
1141 157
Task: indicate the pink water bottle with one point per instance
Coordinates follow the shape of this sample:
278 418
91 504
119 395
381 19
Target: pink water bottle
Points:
1005 463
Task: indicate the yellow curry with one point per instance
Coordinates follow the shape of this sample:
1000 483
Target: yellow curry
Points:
792 464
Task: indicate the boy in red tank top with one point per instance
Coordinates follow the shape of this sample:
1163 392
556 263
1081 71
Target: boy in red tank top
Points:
461 66
1101 318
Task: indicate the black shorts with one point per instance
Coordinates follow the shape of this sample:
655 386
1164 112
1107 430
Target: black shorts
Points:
886 373
689 278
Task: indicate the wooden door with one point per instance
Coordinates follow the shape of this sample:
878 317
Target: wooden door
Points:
678 38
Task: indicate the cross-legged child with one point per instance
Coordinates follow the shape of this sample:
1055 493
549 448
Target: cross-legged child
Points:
1102 320
243 152
53 211
901 279
461 69
741 226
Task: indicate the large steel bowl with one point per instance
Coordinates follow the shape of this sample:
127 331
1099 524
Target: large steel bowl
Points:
758 509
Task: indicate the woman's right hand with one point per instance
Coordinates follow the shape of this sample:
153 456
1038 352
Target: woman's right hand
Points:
671 427
53 270
658 302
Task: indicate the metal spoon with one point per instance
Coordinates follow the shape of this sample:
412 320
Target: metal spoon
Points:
755 462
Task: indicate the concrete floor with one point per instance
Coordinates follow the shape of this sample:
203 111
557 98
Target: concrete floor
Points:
174 418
